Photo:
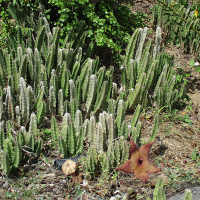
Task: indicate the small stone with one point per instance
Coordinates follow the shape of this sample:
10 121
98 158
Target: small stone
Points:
118 196
196 64
69 167
63 181
85 183
113 198
51 185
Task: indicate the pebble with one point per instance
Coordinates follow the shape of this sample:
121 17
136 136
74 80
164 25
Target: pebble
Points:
85 183
113 198
63 181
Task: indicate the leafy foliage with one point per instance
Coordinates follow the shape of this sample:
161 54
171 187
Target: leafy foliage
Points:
109 23
17 13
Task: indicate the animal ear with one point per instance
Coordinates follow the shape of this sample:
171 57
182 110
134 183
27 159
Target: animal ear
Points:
133 147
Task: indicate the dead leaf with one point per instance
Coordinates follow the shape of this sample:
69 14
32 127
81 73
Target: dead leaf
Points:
69 167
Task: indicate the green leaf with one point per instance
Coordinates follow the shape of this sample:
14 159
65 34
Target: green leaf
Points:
197 69
191 63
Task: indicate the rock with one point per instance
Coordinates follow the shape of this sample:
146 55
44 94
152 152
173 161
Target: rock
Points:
69 167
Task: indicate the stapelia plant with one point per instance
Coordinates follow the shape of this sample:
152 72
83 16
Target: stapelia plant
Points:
147 75
139 162
180 22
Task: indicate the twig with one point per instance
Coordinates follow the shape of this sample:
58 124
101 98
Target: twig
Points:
52 170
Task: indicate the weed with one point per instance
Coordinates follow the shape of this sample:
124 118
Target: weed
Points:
185 118
195 156
179 175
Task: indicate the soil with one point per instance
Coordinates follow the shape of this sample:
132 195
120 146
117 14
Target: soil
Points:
174 152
